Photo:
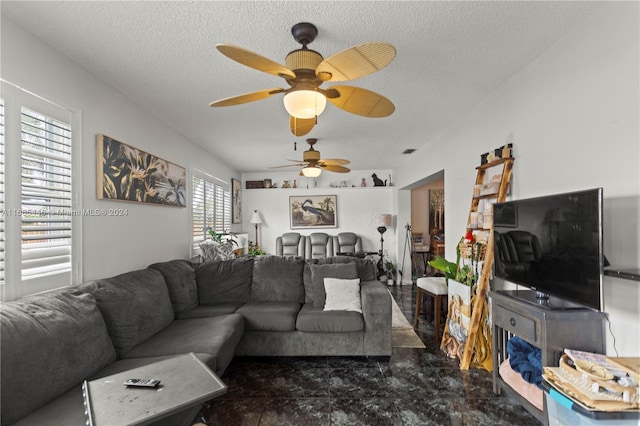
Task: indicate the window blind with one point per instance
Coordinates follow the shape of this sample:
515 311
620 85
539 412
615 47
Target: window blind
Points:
46 196
211 209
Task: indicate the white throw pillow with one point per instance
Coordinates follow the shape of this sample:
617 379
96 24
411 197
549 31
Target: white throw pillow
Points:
342 295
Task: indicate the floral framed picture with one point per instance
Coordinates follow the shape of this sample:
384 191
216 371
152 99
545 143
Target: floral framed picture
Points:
316 211
236 201
131 174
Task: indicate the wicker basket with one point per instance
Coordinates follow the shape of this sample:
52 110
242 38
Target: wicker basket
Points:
478 250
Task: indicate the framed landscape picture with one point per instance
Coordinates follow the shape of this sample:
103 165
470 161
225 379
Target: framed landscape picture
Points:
236 201
317 211
131 174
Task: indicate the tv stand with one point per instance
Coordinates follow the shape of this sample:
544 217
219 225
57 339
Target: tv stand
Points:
541 300
551 330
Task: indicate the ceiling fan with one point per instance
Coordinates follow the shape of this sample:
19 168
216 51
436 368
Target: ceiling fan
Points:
312 165
306 70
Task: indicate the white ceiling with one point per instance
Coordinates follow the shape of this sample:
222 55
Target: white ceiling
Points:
450 56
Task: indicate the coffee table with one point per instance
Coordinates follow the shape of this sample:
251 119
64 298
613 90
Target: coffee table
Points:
186 382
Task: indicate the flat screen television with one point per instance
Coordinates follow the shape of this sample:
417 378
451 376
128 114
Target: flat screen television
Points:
552 245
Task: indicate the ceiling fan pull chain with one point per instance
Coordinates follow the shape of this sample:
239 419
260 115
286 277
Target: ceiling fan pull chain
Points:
295 145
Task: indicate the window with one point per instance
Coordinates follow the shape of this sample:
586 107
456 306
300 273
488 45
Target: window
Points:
211 207
40 229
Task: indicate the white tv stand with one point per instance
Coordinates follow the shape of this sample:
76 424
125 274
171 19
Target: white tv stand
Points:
551 330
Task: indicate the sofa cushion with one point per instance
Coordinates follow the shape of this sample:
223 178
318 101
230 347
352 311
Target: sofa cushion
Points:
49 343
342 295
319 272
180 278
213 310
217 336
270 316
135 306
367 270
277 279
316 320
225 281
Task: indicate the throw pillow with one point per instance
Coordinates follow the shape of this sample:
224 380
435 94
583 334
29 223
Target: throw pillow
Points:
320 272
342 295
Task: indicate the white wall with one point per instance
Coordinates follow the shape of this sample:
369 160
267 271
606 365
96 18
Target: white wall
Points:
355 205
149 233
574 115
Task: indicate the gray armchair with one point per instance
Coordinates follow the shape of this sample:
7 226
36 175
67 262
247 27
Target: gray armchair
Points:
318 245
290 244
347 243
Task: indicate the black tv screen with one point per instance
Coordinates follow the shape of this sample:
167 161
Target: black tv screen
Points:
553 245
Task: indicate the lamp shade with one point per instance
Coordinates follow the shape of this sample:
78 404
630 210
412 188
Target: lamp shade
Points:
304 103
381 219
255 218
311 171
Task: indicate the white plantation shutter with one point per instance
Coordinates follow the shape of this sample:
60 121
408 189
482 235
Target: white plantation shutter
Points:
211 208
46 196
40 186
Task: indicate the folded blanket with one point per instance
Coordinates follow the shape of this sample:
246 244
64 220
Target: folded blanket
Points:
525 359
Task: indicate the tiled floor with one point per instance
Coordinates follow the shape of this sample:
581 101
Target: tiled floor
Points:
416 387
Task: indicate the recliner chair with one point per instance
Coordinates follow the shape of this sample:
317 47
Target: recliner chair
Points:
290 244
318 245
347 243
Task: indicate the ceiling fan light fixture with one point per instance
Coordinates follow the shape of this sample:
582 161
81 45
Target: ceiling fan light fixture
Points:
305 103
311 171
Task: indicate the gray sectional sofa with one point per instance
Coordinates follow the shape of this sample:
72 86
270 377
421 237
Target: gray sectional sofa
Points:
264 306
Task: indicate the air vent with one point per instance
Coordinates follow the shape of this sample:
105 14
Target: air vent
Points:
409 151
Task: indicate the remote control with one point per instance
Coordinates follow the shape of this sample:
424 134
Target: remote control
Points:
145 383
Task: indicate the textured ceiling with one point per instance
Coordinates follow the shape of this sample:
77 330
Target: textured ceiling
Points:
450 56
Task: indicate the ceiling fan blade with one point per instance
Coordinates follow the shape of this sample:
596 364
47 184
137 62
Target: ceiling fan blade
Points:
334 162
247 97
289 165
255 61
336 169
355 62
362 102
301 126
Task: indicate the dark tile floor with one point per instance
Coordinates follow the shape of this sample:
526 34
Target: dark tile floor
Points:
415 387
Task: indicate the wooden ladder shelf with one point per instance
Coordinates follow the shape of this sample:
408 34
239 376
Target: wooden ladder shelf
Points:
477 347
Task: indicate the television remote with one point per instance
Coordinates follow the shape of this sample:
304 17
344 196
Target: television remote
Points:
144 383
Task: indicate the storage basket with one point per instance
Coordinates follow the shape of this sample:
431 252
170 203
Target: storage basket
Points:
472 250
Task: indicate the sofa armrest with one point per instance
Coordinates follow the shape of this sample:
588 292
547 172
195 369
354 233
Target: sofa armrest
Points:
376 310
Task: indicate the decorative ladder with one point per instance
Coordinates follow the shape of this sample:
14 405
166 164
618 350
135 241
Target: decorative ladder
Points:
478 336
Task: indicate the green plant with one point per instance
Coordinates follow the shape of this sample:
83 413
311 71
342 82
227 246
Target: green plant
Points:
217 237
449 269
255 250
389 266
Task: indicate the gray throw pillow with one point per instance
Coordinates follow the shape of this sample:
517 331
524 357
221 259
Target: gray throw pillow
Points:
225 281
320 272
180 278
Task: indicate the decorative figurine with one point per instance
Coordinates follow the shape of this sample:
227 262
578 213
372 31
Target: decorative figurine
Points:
363 183
377 181
295 184
285 184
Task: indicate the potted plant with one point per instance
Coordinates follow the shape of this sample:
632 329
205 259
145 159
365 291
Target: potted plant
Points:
255 250
391 271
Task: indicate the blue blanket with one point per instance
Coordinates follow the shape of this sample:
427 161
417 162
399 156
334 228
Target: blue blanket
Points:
525 359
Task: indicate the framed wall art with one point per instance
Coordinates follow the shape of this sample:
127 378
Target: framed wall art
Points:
317 211
236 201
129 174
